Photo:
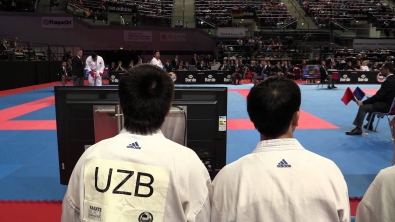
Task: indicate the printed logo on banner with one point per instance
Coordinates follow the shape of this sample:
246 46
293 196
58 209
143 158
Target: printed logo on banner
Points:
380 78
228 78
172 37
345 78
210 78
363 78
190 79
173 76
113 79
57 22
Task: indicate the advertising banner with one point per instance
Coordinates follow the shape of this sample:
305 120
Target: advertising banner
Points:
231 32
172 37
361 44
57 22
137 36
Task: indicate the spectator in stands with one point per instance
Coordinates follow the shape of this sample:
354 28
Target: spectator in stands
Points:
380 102
224 66
333 66
180 66
349 66
168 66
194 60
54 3
274 182
175 62
120 67
201 66
131 64
357 67
375 66
4 45
364 66
186 66
112 67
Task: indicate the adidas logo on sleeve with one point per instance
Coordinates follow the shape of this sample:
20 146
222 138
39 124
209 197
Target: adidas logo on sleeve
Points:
283 164
134 145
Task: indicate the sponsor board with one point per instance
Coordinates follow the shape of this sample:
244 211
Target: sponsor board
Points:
57 22
137 36
374 43
231 32
210 79
228 78
172 37
345 78
190 79
363 78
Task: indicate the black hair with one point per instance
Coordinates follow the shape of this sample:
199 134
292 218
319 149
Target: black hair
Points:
155 51
94 55
145 94
389 66
271 105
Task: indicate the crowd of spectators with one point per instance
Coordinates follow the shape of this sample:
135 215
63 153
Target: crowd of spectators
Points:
147 12
331 14
18 5
268 13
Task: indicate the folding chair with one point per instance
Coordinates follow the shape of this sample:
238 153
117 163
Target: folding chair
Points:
380 115
296 72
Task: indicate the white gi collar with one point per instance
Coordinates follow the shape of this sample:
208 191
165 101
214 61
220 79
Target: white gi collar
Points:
278 145
156 134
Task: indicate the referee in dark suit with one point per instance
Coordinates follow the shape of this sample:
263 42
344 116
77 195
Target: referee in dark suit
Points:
380 102
78 69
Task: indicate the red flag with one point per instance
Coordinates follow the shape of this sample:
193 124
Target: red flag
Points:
348 96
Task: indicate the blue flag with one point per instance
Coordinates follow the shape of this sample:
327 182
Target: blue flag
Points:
358 93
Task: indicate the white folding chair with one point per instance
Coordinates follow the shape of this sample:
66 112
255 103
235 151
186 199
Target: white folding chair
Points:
380 115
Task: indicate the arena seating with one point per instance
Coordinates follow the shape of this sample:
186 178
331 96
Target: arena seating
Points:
19 5
267 14
345 14
147 13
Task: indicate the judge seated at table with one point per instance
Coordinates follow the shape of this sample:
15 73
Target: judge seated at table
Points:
201 66
349 66
224 66
180 66
186 66
168 66
119 67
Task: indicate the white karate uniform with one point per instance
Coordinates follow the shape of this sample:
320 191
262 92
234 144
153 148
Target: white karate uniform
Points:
96 66
156 62
378 203
151 176
280 182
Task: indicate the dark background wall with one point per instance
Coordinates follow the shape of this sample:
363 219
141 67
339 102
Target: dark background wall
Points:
28 27
20 74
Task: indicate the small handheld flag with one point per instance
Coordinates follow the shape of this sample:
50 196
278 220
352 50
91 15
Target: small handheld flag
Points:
348 96
358 93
